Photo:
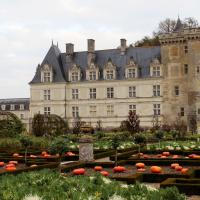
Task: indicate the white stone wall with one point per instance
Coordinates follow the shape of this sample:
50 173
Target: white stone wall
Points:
144 100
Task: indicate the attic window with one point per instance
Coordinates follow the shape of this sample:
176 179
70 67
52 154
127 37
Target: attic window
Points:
74 76
47 77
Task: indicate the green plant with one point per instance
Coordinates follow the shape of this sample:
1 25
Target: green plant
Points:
26 142
159 134
139 139
59 146
115 142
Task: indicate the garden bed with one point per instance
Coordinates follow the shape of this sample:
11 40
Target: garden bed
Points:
187 186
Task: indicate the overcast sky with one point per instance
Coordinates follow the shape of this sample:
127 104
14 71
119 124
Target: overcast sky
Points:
28 26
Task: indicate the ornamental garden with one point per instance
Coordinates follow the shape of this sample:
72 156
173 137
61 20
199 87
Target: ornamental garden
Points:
91 163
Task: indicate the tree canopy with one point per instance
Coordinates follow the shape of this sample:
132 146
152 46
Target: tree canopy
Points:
167 25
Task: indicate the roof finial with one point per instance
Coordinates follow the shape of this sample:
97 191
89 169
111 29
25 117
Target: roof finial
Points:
57 44
52 42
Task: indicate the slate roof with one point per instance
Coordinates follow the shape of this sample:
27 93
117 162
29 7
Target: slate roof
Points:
142 56
179 26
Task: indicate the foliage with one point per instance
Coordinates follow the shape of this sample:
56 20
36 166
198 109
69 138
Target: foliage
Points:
147 42
140 138
49 125
10 125
26 143
159 134
133 122
115 143
49 185
59 145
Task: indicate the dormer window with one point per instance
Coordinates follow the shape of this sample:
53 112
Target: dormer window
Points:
46 74
109 71
131 69
92 75
92 72
47 77
74 76
109 74
74 73
3 107
156 68
156 71
21 106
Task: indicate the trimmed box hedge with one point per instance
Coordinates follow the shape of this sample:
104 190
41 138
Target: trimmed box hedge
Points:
187 186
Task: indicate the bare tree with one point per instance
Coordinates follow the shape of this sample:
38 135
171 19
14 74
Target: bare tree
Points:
166 26
190 22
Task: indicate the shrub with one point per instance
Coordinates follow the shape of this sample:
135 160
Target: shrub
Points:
10 125
133 122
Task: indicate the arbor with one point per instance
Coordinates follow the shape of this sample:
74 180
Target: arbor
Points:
133 122
77 126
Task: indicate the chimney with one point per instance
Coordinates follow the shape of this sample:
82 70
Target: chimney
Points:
91 51
123 46
69 49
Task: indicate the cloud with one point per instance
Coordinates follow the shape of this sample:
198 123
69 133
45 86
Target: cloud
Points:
27 28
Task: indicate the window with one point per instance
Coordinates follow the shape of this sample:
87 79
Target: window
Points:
156 90
21 106
3 107
47 110
92 93
47 95
198 69
131 73
21 116
110 110
182 111
156 109
75 111
74 93
132 108
92 75
186 68
109 74
132 91
110 93
176 90
47 76
93 111
12 107
186 49
74 76
156 71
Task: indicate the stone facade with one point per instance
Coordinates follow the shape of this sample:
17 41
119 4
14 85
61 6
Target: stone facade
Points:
20 107
104 85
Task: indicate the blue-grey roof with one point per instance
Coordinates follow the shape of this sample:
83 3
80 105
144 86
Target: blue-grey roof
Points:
142 56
